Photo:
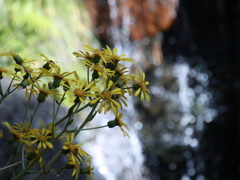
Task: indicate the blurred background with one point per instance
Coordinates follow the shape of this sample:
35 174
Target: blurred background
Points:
190 51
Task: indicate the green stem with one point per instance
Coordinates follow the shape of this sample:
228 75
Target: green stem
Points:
11 165
89 118
32 117
95 127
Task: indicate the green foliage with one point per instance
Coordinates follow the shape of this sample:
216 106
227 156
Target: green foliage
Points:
48 26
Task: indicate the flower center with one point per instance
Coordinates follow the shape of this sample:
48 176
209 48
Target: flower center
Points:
143 85
106 95
79 92
98 68
42 138
72 148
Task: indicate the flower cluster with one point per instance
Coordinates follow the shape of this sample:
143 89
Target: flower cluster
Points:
105 88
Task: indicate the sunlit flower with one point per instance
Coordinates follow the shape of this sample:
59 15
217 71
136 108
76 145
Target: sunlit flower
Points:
141 86
118 122
49 63
4 71
41 138
56 74
43 91
106 99
81 90
90 55
112 59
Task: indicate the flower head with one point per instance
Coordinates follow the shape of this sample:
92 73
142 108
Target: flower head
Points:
141 86
41 138
118 122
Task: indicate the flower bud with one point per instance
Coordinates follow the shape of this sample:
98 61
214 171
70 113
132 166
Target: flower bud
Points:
31 156
65 151
85 170
120 83
96 58
41 97
112 124
95 75
136 86
17 59
56 82
24 83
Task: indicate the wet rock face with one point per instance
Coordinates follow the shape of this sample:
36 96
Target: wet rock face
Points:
144 18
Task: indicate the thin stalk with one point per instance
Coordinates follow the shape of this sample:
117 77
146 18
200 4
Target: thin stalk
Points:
11 165
99 127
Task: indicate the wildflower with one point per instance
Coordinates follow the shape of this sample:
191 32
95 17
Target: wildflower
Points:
100 70
112 59
81 90
73 164
34 153
118 122
141 86
87 170
72 149
56 74
90 56
43 92
49 63
4 71
19 132
27 71
42 139
106 98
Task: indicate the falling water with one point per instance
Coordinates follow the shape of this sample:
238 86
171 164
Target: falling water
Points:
181 105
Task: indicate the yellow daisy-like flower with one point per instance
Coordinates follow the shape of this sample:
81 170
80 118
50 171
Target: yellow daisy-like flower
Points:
141 86
34 153
90 55
4 71
73 150
73 164
41 138
118 122
87 169
112 57
106 98
19 132
43 91
81 90
55 72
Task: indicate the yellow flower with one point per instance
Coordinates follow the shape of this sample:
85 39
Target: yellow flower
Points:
19 132
34 153
106 98
73 164
55 72
87 170
141 86
111 58
42 139
90 56
43 91
118 122
81 90
4 71
73 150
